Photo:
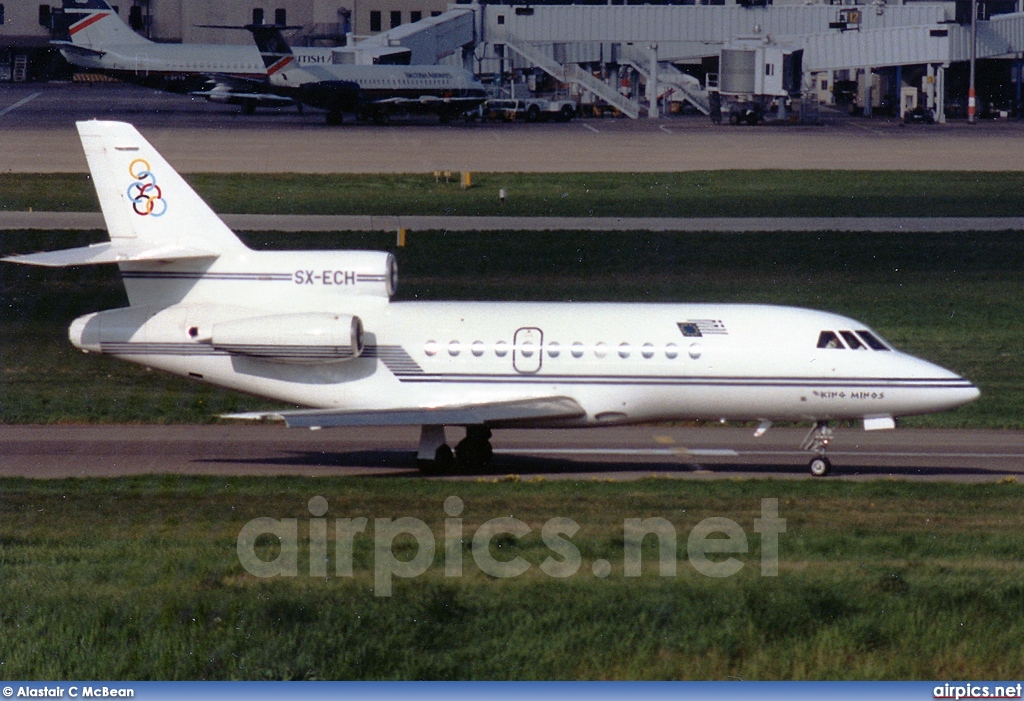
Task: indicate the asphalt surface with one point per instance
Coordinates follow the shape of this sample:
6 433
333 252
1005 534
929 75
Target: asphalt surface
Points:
37 128
621 453
51 221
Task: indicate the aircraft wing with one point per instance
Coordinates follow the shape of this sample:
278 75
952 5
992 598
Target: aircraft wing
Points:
106 253
488 413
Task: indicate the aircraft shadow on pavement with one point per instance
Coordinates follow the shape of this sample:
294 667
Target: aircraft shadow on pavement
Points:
540 466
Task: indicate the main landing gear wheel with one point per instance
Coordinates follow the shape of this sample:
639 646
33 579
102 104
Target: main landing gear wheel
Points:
474 452
443 462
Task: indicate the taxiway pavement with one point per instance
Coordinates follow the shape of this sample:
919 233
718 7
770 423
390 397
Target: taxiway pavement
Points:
621 453
37 129
58 221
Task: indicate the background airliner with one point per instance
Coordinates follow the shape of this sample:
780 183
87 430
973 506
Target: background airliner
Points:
319 329
98 40
372 92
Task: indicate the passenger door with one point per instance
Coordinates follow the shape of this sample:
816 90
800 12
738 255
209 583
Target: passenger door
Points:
528 350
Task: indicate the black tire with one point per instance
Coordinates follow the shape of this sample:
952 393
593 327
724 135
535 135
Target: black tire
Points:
734 118
820 466
473 455
248 106
334 118
532 113
566 113
442 464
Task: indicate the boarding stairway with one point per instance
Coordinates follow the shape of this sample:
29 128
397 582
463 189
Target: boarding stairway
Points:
575 75
671 78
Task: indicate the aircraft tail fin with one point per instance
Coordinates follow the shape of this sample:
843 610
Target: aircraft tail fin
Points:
146 204
94 23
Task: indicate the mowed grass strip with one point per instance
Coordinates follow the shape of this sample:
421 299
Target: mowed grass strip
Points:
140 579
696 194
954 299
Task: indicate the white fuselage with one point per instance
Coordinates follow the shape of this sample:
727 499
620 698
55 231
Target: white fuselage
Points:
152 60
622 363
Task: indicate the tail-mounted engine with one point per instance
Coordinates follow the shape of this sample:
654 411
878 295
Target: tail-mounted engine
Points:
308 338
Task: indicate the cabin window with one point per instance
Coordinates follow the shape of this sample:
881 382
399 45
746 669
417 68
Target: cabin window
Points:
1 13
671 351
577 350
257 15
501 349
828 339
624 350
601 350
280 17
374 20
872 340
647 351
430 348
435 13
396 18
478 348
415 16
852 341
554 350
454 348
501 19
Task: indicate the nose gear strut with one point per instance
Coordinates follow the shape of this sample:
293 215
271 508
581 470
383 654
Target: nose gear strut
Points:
816 441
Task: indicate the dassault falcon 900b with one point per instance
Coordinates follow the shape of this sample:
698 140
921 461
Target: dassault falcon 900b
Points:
318 329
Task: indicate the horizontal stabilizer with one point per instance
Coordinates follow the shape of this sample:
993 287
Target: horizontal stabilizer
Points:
109 253
77 49
524 410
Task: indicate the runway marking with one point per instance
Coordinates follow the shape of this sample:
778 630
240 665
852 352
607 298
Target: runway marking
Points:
19 103
665 129
587 126
666 452
878 132
729 453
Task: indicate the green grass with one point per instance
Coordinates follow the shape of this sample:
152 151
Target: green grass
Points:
694 194
140 579
955 299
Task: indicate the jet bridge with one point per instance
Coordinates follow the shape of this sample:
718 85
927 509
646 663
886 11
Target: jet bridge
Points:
832 37
429 40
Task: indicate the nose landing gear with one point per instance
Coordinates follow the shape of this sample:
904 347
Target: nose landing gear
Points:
816 441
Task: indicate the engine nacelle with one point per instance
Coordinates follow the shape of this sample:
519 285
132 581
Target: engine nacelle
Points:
309 338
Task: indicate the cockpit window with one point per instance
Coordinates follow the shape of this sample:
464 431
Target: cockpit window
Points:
828 339
872 340
852 341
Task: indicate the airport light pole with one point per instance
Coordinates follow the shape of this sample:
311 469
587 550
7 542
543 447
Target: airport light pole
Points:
972 101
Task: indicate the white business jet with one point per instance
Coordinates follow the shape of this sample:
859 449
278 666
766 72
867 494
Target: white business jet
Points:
318 329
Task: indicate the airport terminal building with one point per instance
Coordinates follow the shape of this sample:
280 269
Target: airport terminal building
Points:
874 56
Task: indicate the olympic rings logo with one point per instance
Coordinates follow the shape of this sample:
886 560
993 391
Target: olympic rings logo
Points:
144 194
